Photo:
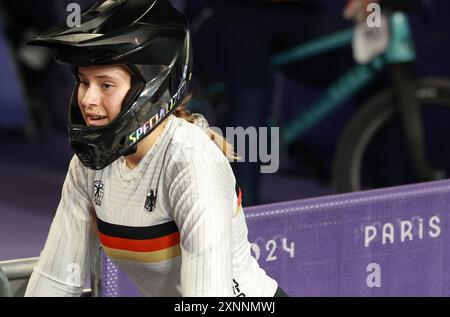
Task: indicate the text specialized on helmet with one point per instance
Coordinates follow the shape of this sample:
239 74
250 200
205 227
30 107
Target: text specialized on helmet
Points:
153 121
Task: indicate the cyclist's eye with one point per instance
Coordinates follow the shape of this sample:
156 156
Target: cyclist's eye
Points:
84 83
107 86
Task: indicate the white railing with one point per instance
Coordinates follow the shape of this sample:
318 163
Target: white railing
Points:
14 276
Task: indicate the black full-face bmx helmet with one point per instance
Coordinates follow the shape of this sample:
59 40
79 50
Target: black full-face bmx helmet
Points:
152 39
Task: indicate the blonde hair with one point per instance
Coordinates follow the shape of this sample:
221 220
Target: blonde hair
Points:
221 142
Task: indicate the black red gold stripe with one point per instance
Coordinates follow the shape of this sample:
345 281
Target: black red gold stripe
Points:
138 233
147 245
141 244
144 257
239 200
238 194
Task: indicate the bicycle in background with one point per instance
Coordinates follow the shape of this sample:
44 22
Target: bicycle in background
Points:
397 136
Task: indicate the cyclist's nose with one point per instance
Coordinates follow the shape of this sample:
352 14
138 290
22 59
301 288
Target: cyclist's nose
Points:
90 98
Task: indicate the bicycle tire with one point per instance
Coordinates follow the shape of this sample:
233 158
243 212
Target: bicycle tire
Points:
368 122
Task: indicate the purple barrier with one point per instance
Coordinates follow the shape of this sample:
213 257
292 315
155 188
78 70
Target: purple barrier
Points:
388 242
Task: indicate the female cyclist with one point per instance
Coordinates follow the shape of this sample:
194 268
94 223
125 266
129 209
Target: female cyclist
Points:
152 188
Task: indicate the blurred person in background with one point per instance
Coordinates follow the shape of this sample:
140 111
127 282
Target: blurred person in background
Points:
23 20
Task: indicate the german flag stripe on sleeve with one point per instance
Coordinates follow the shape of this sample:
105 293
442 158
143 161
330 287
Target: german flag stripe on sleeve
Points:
238 208
238 194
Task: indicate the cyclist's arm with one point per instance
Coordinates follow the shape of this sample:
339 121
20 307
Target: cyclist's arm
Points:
201 196
71 242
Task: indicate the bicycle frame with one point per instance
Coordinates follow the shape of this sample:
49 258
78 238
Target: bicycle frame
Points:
400 50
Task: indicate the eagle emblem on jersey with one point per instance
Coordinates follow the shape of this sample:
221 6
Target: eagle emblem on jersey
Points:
98 192
150 201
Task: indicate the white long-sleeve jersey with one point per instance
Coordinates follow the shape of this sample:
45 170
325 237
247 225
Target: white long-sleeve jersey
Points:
174 224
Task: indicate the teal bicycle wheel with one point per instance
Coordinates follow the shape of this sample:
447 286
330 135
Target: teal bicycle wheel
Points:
372 151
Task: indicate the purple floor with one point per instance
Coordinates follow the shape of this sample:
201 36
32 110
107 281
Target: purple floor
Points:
22 232
33 175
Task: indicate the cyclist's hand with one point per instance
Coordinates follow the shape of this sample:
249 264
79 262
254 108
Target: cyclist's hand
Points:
357 9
